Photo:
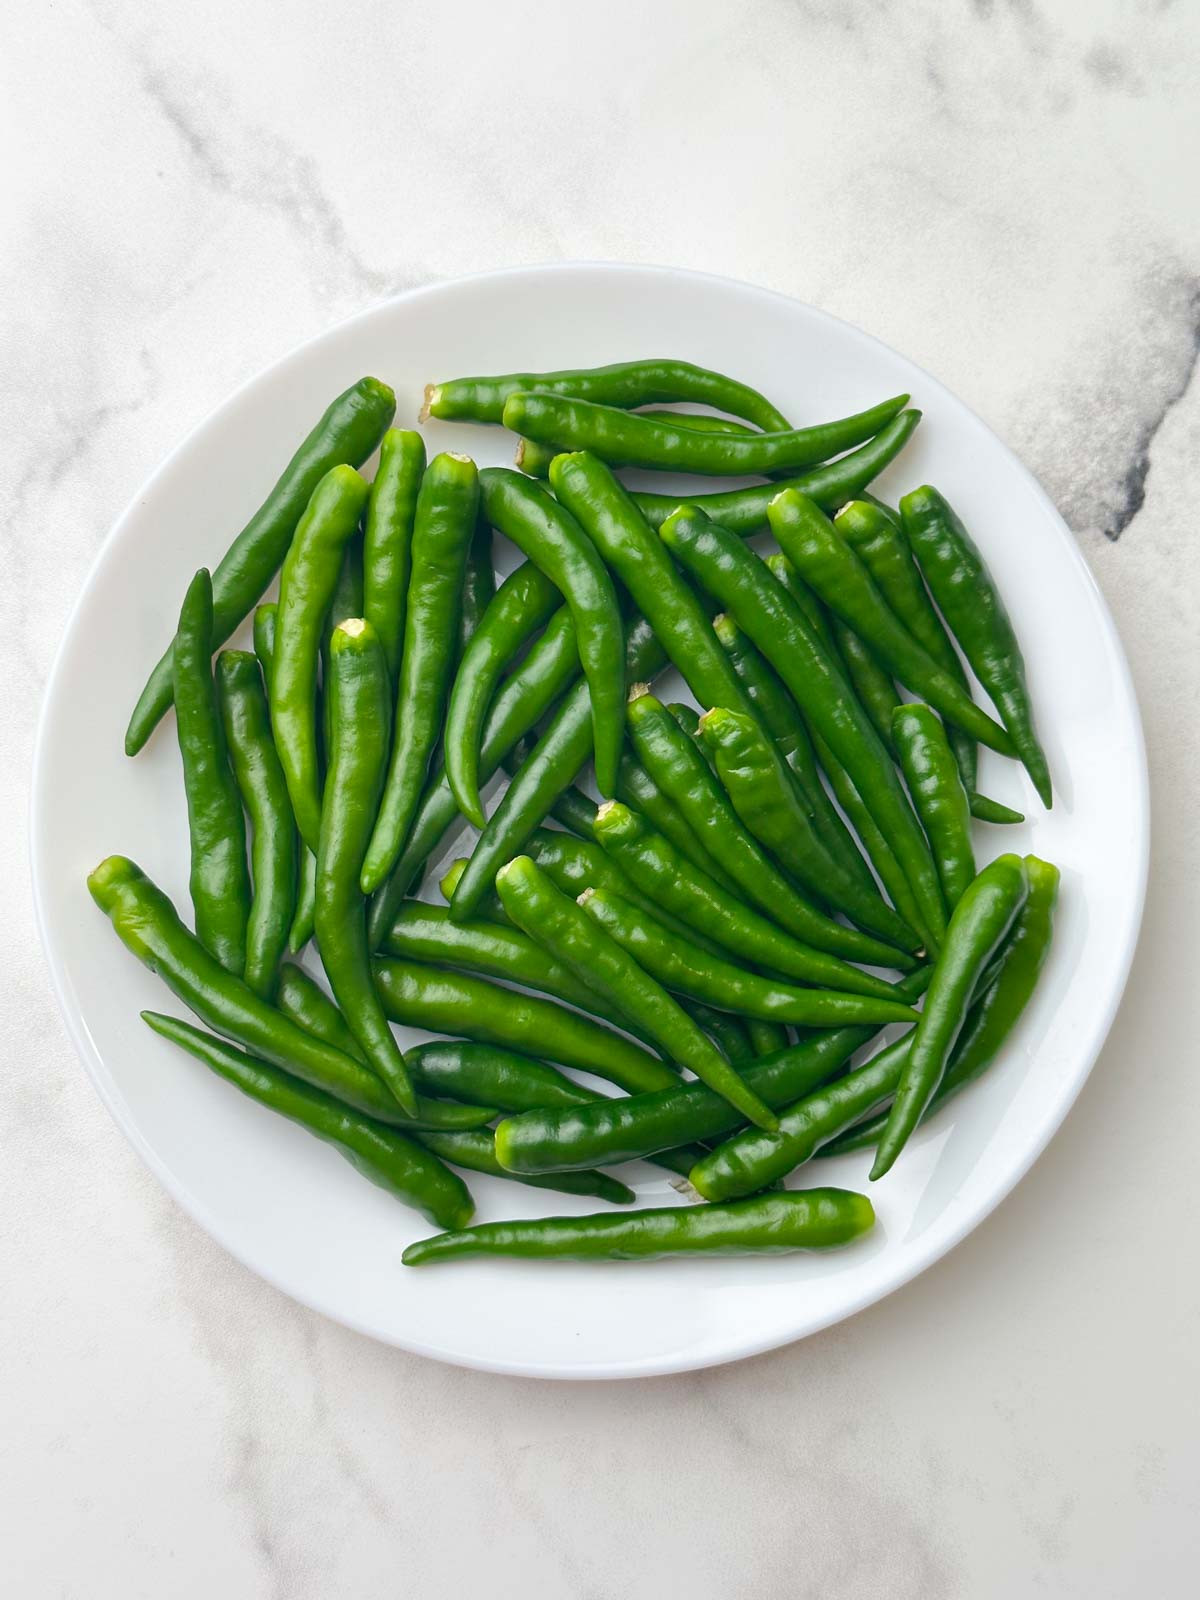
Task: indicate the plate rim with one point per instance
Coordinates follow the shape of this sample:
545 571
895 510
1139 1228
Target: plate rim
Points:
672 1362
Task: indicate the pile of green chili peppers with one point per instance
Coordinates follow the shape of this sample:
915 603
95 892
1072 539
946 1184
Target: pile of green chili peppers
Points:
763 885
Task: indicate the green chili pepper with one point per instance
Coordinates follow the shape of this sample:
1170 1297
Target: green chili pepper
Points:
347 603
552 539
149 926
348 432
387 539
625 383
816 1219
680 965
468 1070
728 1033
220 882
744 511
696 900
978 925
562 925
871 682
638 790
685 777
972 607
770 809
301 928
377 1151
625 439
534 458
525 600
522 700
247 727
479 584
766 1037
552 766
737 578
935 784
994 1015
828 564
311 571
447 503
477 1153
360 695
453 1002
265 618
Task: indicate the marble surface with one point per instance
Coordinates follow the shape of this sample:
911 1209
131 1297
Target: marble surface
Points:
1005 190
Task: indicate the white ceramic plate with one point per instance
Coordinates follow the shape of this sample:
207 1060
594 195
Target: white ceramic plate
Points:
291 1208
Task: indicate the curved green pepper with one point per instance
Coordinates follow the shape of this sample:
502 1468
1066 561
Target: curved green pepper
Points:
387 538
935 783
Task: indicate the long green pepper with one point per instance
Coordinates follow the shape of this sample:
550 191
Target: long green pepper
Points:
387 538
300 932
935 783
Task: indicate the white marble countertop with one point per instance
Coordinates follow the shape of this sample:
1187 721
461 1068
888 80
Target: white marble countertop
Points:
1003 190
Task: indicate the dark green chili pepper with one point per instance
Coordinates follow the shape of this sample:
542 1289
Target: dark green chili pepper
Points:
379 1152
311 571
552 766
504 1078
454 1002
737 578
479 584
828 564
686 778
744 511
935 784
696 900
522 700
360 695
771 810
625 383
247 726
476 1152
447 504
347 602
994 1015
387 538
301 928
680 965
149 926
524 601
575 810
534 458
563 926
781 718
220 881
769 1224
348 432
638 790
978 925
611 1131
871 682
552 539
265 617
971 604
766 1037
729 1034
625 439
662 595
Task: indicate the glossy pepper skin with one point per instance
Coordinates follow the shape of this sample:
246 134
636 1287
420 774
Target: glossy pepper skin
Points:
744 511
220 881
971 604
348 432
682 966
980 922
624 383
149 927
871 682
447 505
995 1013
457 1003
479 584
740 582
476 1151
552 539
771 810
816 1219
638 790
562 925
686 778
310 576
697 901
524 601
626 439
935 783
534 459
550 668
273 848
617 1130
360 696
465 1069
347 602
550 768
831 568
301 929
387 538
383 1155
